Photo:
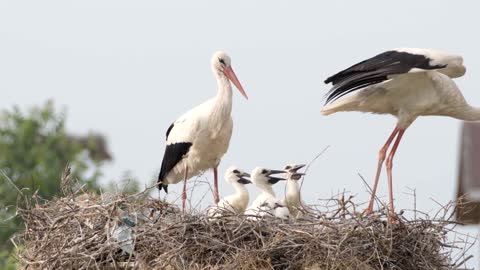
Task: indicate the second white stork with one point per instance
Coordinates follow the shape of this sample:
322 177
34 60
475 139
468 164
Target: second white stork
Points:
405 83
199 138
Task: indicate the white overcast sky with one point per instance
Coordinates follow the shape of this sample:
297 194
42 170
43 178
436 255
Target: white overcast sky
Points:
127 69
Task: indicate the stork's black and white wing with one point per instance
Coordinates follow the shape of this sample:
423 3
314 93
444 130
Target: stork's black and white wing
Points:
384 66
174 153
180 137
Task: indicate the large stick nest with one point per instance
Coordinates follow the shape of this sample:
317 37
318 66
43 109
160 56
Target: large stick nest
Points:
88 231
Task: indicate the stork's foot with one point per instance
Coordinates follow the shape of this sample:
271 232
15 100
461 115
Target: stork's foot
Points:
368 211
393 218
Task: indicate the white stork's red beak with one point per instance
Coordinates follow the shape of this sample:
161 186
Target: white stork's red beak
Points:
228 71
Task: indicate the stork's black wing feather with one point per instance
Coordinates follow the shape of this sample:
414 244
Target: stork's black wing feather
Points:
168 130
375 70
173 154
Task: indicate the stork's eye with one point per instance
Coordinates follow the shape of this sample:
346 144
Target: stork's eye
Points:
222 61
236 171
264 171
288 167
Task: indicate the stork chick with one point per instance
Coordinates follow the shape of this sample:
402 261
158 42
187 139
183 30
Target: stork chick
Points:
237 202
292 197
266 203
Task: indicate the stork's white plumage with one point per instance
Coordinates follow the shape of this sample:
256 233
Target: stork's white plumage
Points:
266 203
405 83
199 138
237 202
292 199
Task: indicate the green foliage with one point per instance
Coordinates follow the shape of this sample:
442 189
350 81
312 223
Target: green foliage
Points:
34 150
128 184
7 262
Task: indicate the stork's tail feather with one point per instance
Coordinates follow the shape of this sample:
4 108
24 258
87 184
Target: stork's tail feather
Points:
161 186
160 183
345 104
326 111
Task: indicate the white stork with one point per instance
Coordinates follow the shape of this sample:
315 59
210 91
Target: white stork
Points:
199 138
266 203
405 83
293 198
237 202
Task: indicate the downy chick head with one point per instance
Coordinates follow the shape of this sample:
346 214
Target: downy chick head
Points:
291 171
265 177
235 175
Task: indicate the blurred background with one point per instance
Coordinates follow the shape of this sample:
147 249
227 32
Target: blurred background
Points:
98 83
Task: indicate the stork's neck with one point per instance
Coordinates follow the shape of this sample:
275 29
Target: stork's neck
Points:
224 90
240 189
293 190
292 186
267 189
467 113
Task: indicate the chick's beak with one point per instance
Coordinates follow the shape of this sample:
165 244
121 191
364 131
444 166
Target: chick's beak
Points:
275 172
296 167
243 179
296 176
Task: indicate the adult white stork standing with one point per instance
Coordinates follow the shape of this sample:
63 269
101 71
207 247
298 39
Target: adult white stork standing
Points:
405 83
237 202
199 138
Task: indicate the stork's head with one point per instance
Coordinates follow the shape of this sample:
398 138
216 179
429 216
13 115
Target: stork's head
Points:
235 175
221 64
291 171
220 60
263 177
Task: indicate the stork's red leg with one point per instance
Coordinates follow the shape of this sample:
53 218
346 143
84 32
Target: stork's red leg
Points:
389 165
381 157
184 192
216 197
